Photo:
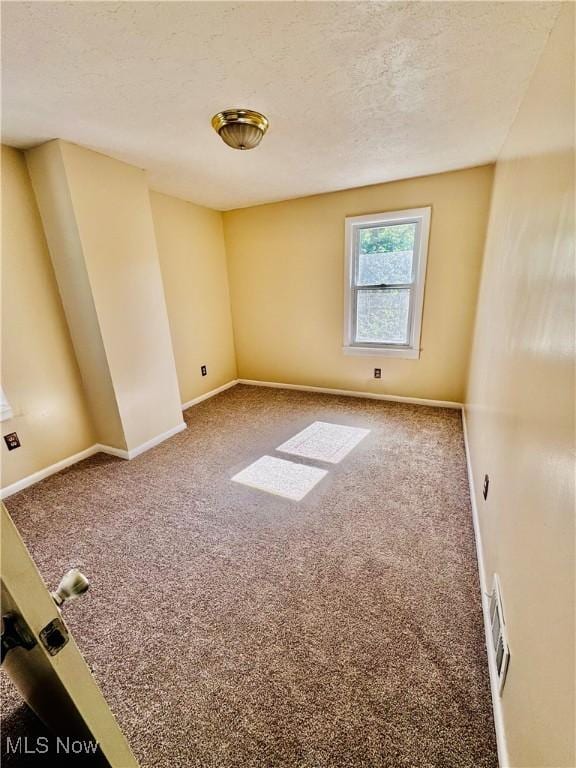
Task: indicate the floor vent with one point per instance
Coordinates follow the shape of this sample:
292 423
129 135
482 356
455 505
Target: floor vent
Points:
499 637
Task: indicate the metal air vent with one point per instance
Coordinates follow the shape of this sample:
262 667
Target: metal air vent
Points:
498 633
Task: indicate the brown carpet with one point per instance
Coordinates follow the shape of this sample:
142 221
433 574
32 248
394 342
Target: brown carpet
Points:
230 627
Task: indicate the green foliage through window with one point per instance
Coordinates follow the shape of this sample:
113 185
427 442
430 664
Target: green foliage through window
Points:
397 237
385 255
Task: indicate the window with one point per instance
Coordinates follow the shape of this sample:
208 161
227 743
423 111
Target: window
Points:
384 291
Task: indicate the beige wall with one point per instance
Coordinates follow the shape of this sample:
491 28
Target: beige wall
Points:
285 262
286 267
112 206
193 263
521 409
111 234
112 291
50 182
39 370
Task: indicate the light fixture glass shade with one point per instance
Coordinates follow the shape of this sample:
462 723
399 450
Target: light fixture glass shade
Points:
241 136
240 128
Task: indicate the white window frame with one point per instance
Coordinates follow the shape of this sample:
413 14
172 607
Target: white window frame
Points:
354 224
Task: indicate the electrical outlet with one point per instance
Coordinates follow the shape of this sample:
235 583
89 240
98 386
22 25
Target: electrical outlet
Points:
485 487
12 441
377 373
203 370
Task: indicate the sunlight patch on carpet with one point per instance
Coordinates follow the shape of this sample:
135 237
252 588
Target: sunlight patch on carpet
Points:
280 477
324 442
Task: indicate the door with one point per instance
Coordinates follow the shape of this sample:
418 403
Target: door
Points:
48 668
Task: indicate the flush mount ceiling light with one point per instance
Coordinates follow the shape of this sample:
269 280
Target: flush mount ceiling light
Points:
240 128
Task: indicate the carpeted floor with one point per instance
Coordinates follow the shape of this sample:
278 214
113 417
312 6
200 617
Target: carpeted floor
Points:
230 627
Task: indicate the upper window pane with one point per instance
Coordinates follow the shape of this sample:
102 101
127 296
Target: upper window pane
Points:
385 254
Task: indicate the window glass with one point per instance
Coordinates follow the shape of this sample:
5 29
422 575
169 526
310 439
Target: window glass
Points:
385 254
385 270
382 316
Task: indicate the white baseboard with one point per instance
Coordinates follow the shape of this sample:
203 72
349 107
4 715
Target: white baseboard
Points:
125 454
353 393
207 395
121 453
25 482
484 590
133 452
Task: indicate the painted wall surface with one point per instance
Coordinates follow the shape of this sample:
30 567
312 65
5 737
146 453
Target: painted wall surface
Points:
193 263
286 270
112 220
112 207
39 371
51 187
521 409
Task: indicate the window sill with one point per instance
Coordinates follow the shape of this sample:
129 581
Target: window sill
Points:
406 352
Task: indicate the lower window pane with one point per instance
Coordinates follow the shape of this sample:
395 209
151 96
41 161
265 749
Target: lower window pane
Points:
382 316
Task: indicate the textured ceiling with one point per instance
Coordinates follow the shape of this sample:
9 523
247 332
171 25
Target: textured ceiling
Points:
356 93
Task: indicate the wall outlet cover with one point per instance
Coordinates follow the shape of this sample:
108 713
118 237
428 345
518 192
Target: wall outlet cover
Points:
12 441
